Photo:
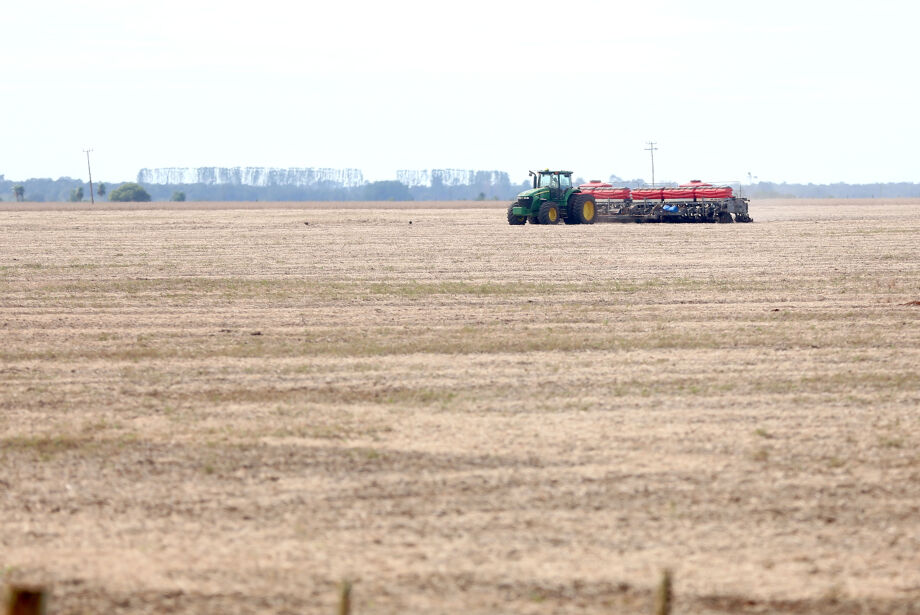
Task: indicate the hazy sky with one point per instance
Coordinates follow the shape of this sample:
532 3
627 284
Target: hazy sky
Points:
795 91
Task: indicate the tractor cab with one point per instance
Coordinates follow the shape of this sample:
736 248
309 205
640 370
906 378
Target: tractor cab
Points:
558 182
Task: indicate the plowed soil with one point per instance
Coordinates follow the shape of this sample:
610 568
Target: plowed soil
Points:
206 409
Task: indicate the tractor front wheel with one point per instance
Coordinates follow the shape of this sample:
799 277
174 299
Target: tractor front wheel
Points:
514 219
549 213
582 209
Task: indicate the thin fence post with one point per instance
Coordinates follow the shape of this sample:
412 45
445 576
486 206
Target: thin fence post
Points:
345 599
26 600
665 594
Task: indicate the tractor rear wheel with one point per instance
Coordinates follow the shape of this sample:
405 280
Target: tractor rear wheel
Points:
549 213
570 216
582 209
515 219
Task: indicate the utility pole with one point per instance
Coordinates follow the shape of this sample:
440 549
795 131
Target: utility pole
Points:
92 199
651 149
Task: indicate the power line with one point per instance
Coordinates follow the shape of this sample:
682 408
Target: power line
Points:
90 170
651 149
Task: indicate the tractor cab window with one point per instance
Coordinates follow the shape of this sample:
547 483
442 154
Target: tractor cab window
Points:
565 182
546 180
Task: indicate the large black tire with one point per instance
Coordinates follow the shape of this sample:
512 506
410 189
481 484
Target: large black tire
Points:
725 217
513 219
549 213
582 209
571 218
533 220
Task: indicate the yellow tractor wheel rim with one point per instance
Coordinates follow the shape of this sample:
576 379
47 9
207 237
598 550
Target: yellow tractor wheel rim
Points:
589 210
552 214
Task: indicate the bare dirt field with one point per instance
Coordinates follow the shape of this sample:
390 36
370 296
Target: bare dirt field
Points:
214 409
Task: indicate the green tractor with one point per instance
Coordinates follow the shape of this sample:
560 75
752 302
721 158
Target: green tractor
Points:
552 198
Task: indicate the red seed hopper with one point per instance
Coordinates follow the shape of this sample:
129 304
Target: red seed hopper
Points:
695 201
600 190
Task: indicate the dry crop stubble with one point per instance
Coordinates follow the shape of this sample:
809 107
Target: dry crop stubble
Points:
211 409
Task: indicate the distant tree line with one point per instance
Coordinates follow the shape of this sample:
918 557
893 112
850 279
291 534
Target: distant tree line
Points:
69 189
481 188
329 191
766 190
